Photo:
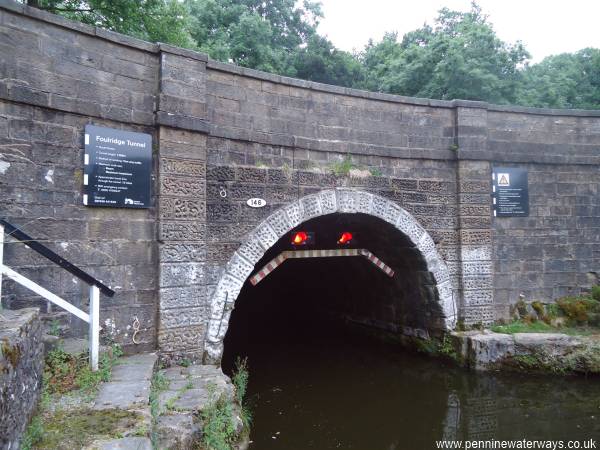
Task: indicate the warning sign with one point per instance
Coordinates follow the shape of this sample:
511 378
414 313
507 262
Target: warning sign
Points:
503 179
510 196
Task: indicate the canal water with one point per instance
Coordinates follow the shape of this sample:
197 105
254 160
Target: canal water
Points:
315 385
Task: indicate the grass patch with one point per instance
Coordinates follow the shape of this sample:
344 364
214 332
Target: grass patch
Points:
54 328
64 372
520 326
582 360
159 384
185 362
574 315
78 427
33 434
342 168
170 404
220 430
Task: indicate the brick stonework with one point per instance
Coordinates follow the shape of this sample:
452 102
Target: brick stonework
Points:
223 134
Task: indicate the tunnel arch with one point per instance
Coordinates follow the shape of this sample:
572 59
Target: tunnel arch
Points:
285 219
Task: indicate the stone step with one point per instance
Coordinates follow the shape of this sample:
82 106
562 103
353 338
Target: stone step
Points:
72 346
189 391
127 443
129 387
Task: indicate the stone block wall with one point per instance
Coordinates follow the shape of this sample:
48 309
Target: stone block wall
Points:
223 134
555 251
21 368
56 77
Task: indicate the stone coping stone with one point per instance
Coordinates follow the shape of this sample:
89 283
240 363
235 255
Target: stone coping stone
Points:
487 350
11 321
155 48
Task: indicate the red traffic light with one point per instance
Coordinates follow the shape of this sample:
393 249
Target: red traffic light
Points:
345 238
300 238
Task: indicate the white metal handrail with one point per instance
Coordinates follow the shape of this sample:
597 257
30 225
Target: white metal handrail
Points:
92 318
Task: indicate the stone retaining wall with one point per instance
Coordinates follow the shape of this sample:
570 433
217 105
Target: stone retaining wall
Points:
21 368
528 352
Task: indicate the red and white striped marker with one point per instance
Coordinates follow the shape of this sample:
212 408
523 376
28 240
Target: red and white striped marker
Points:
274 263
378 263
270 267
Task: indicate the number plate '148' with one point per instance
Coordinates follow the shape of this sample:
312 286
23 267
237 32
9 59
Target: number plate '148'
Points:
256 202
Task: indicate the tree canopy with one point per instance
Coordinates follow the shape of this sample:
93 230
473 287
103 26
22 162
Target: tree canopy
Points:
458 56
152 20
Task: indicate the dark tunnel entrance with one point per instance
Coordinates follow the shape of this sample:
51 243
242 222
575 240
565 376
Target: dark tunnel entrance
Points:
318 377
315 299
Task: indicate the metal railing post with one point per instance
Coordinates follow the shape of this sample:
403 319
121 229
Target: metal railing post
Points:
94 333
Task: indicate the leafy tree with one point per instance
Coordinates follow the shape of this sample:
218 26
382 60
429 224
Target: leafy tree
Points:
321 61
152 20
253 33
276 36
460 57
568 80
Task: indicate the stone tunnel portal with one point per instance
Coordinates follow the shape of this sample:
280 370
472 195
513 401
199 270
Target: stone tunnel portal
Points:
382 226
307 299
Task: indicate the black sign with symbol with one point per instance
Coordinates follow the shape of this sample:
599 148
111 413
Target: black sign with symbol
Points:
510 195
117 168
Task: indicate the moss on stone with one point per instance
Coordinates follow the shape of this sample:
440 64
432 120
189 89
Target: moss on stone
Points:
583 359
74 429
12 353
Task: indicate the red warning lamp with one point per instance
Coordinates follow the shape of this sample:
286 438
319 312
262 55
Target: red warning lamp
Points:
300 238
345 238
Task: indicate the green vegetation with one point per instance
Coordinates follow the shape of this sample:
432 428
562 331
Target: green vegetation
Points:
65 372
220 430
375 171
446 348
240 378
153 20
11 352
159 384
578 315
583 360
595 293
342 168
54 328
33 434
519 326
170 404
458 56
185 362
77 427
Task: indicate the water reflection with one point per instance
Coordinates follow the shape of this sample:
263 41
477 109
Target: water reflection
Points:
335 390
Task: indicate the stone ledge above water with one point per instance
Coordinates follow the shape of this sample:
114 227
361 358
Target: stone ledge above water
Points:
528 352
